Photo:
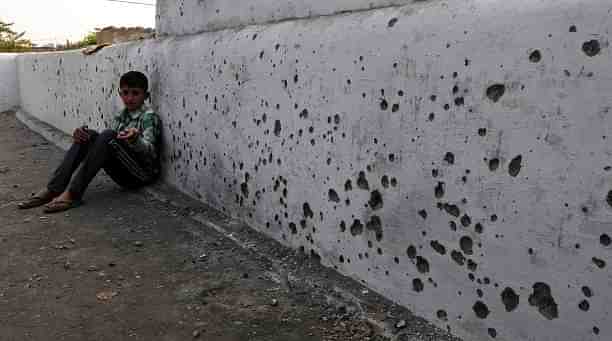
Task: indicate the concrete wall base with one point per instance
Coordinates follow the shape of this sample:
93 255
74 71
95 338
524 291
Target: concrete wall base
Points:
9 87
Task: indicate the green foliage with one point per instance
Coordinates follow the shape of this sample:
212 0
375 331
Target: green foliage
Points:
89 39
11 41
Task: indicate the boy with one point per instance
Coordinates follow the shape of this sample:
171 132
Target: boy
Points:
128 152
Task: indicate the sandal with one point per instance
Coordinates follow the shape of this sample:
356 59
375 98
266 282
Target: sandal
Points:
38 199
61 206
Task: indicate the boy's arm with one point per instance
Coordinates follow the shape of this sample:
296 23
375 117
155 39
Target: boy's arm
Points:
146 143
116 123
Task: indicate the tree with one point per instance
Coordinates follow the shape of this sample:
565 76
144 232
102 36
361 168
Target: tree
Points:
89 39
11 41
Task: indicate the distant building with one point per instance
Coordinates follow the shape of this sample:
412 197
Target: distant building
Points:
112 35
43 48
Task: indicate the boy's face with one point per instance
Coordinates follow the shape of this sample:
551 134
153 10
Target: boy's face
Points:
133 98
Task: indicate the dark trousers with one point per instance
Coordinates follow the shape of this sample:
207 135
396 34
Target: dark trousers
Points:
98 153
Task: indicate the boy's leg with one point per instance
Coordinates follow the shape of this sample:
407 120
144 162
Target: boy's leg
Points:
62 174
72 159
98 156
125 169
122 176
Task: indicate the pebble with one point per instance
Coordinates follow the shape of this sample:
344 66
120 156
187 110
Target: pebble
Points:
196 334
274 302
138 243
401 324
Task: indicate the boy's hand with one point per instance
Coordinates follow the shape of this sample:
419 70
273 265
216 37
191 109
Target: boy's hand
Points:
80 135
129 134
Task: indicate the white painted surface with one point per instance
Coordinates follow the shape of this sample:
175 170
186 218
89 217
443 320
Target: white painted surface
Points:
194 16
213 91
9 92
68 90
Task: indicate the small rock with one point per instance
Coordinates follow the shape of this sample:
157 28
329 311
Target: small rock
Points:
401 324
106 295
274 302
195 334
92 268
138 243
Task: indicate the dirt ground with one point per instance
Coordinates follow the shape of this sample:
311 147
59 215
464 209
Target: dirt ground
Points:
155 265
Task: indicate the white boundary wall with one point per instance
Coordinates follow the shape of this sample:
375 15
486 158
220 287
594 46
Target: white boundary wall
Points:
193 16
9 90
431 105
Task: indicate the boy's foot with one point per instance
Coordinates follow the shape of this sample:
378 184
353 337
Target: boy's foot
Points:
38 199
56 206
62 203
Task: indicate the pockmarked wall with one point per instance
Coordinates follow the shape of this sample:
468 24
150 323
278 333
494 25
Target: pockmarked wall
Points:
9 91
69 90
194 16
453 156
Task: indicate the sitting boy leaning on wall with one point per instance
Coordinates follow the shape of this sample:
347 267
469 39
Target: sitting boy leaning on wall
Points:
128 151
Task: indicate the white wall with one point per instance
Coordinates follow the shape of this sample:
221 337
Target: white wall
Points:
394 102
193 16
9 92
68 90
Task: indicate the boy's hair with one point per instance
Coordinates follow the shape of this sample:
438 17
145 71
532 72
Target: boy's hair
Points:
134 79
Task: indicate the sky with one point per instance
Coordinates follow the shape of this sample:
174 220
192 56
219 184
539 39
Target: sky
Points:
54 21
